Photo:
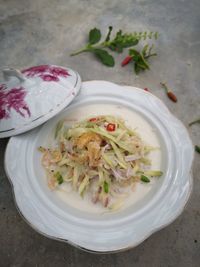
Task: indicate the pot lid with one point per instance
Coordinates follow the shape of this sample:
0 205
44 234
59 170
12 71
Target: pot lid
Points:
32 96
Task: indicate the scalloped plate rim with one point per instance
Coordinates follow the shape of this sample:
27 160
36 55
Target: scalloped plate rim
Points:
151 231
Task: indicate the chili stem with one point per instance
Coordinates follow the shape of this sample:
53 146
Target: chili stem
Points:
165 87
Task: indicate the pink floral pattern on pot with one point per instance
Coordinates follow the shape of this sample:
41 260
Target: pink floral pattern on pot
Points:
46 73
13 99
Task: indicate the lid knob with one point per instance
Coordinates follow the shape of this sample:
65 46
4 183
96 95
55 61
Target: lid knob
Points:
10 73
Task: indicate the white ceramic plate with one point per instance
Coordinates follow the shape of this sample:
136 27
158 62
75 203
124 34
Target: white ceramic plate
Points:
153 206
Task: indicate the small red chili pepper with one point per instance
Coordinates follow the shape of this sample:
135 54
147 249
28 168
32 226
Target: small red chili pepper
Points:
146 89
126 61
170 94
93 119
110 127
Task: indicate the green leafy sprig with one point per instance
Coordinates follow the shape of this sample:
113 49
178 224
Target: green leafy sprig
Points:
140 59
118 43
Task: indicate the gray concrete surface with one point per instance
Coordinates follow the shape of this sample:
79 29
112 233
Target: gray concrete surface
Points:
46 31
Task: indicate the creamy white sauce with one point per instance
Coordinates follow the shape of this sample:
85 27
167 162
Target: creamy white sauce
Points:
133 120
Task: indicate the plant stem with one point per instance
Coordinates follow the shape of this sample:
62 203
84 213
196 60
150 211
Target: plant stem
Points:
193 122
90 48
165 87
145 62
86 49
151 55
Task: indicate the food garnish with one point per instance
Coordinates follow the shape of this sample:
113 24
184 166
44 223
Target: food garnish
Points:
117 44
169 93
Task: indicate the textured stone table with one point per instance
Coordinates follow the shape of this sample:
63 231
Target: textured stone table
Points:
46 31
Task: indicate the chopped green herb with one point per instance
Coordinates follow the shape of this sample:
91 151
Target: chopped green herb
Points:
58 128
59 178
144 179
153 173
106 187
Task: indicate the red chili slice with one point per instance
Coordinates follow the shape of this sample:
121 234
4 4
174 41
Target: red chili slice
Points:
93 119
110 127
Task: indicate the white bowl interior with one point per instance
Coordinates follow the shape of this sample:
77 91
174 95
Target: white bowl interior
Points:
72 203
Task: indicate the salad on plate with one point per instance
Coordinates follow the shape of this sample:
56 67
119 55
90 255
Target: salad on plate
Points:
99 156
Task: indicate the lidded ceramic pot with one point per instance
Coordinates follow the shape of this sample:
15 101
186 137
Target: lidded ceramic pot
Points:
32 96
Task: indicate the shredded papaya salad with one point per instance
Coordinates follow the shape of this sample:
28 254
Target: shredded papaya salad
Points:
99 156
